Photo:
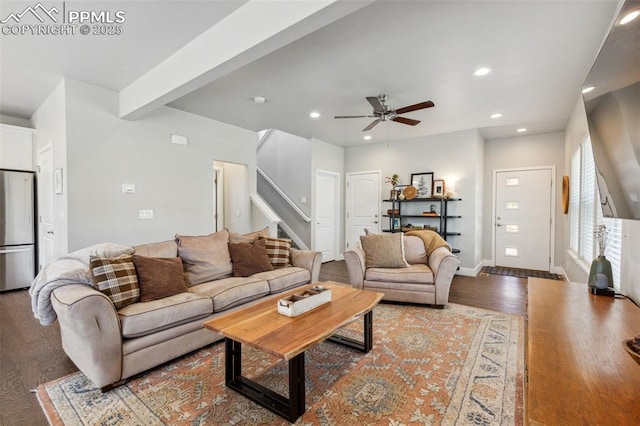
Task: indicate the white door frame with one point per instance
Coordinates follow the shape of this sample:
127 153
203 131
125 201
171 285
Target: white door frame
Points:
39 197
347 220
218 198
336 214
552 225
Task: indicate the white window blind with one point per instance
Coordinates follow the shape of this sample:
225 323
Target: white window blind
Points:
574 206
586 213
587 203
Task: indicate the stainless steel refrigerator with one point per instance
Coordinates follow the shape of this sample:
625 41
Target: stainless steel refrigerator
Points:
17 229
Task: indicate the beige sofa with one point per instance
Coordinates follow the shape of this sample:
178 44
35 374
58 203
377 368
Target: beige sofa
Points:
426 280
110 345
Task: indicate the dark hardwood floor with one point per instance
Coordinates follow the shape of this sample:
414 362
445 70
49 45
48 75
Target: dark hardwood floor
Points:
31 354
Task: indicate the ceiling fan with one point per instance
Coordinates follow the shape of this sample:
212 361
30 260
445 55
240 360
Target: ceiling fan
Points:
384 112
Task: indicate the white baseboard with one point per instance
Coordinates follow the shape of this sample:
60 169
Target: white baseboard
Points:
470 272
340 256
488 262
560 271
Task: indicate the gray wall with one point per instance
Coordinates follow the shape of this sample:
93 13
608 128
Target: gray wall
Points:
525 151
174 181
455 157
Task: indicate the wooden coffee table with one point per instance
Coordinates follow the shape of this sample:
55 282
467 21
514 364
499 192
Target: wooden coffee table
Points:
262 327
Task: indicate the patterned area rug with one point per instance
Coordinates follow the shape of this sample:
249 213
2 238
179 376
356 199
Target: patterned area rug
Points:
457 365
520 273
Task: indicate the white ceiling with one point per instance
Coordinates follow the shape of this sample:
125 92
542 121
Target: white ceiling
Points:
413 51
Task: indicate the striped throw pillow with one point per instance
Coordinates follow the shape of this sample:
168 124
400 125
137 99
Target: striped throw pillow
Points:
278 250
116 278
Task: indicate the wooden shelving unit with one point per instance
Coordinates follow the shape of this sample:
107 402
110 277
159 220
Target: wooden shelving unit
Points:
441 219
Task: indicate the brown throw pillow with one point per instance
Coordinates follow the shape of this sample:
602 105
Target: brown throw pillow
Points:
116 278
206 257
159 277
384 250
249 258
278 250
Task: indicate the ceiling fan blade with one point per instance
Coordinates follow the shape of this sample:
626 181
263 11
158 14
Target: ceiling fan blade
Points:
354 116
375 103
404 120
372 125
421 105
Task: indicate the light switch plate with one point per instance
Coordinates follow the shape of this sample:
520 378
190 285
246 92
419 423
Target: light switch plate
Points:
145 214
128 188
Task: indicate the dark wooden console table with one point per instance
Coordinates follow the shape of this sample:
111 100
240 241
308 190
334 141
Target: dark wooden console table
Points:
577 369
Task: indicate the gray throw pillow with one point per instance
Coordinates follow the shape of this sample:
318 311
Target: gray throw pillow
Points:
384 250
205 258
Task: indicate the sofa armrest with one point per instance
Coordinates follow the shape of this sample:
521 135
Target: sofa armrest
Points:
90 332
355 260
307 259
444 265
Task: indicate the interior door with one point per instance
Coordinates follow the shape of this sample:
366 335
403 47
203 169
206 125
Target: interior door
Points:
363 205
46 228
523 219
218 198
326 206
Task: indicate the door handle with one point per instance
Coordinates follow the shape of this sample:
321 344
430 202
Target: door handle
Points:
498 224
375 221
50 232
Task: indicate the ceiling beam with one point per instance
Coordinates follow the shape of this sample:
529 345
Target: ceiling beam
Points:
252 31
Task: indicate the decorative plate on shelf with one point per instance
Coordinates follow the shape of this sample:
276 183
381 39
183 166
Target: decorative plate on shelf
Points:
409 192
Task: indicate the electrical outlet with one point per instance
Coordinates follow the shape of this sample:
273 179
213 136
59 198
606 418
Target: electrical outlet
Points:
145 214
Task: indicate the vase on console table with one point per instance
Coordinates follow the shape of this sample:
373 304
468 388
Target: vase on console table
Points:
600 275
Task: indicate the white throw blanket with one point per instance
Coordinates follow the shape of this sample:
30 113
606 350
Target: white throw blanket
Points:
70 269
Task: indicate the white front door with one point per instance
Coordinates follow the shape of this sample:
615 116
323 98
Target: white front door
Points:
326 205
523 213
363 205
46 230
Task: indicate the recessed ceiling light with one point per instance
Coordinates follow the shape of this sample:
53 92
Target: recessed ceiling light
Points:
314 114
629 17
367 137
496 115
482 71
588 89
521 130
259 99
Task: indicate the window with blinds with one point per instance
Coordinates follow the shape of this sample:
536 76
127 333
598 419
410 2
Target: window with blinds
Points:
586 213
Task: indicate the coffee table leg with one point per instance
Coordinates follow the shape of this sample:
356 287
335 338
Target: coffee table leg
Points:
365 346
291 408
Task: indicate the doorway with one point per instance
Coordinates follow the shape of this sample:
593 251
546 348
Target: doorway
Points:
46 228
523 226
327 202
231 197
363 205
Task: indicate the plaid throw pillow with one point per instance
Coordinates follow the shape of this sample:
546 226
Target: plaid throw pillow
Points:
278 250
116 278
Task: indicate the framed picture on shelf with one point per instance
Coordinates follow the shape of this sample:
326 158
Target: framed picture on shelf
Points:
423 183
438 188
395 223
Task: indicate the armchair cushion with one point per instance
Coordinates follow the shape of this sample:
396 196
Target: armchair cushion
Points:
418 273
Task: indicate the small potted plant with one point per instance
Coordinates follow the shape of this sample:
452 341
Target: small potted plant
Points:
600 274
394 180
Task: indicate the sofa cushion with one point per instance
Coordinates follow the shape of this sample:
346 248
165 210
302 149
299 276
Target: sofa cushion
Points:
167 248
205 257
140 319
384 250
418 273
414 250
234 237
278 250
159 277
284 278
116 278
229 292
249 258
